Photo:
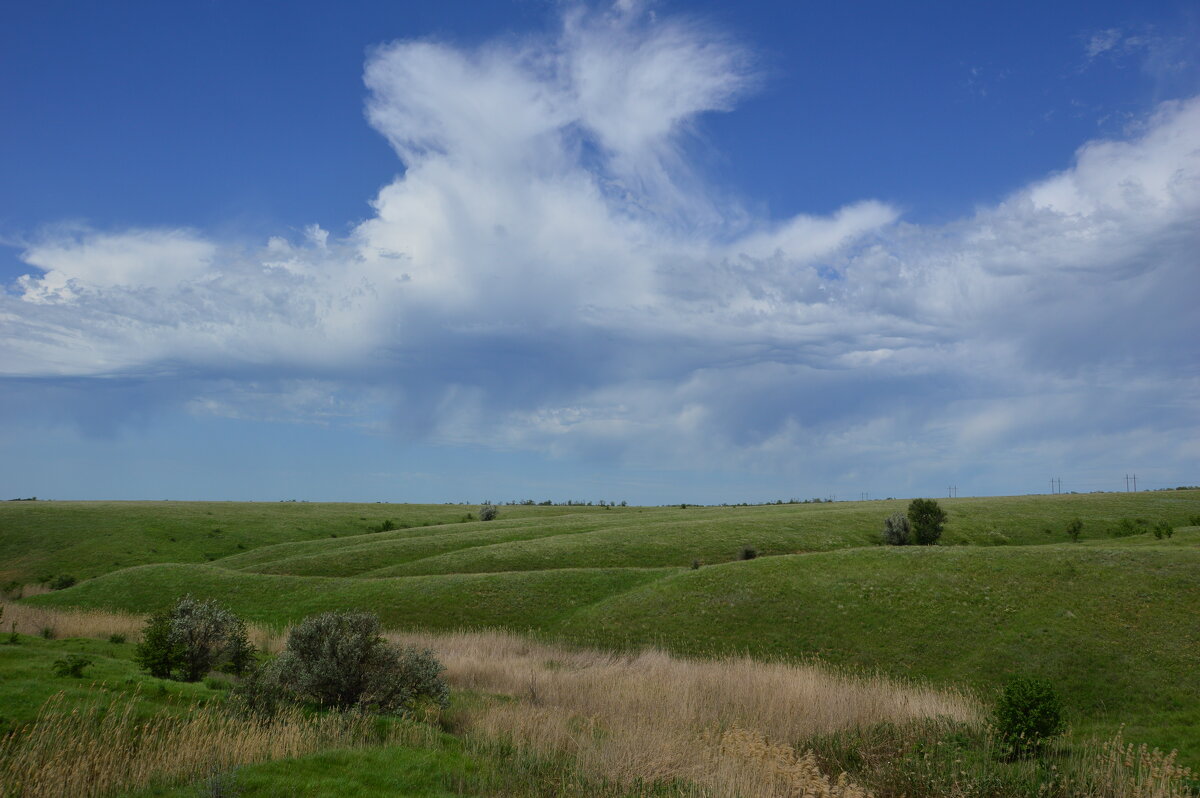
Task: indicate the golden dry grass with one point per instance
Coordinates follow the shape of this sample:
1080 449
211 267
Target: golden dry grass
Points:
30 620
1125 770
102 624
105 749
650 717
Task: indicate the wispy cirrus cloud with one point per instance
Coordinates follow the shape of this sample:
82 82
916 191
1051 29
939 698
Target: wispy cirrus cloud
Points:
550 274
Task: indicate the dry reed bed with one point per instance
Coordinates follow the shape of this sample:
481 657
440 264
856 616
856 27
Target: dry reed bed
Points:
101 624
727 724
105 748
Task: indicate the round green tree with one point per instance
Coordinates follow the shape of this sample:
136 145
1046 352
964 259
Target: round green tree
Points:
926 519
1027 714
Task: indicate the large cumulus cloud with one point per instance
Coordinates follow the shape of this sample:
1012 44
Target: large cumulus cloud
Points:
550 274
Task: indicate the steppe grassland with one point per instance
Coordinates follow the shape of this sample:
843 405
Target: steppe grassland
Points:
1100 618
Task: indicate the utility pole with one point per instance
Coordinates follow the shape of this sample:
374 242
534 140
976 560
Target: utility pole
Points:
1135 483
1126 483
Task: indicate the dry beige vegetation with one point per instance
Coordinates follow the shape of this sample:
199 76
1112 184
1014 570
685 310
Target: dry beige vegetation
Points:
649 717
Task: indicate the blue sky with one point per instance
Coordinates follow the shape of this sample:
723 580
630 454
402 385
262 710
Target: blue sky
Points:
657 252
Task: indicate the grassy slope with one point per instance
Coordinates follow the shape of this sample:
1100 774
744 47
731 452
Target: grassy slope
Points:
662 537
1115 629
364 554
27 679
535 600
84 539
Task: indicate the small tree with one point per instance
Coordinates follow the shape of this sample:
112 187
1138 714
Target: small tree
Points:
897 531
192 638
1074 527
339 659
927 519
488 512
1027 714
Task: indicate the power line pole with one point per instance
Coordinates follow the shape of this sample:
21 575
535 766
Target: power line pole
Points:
1126 483
1135 483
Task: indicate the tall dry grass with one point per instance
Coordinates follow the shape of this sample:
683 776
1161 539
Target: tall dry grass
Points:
30 620
728 725
102 624
104 748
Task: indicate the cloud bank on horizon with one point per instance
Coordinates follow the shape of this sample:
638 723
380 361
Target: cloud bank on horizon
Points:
550 273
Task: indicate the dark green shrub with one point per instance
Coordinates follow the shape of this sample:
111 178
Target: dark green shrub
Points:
260 694
897 531
61 582
48 632
747 553
1027 715
339 659
192 638
695 565
1074 527
927 519
71 665
116 638
488 512
1163 530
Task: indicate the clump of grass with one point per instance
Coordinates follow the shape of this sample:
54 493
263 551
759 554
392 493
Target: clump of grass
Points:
939 757
105 748
72 665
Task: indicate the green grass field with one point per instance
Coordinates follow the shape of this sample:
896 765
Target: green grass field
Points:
1111 621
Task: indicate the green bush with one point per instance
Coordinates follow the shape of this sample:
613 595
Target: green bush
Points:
116 638
488 512
897 531
1163 530
339 659
1129 526
192 638
61 582
927 518
71 665
747 553
1027 715
1074 528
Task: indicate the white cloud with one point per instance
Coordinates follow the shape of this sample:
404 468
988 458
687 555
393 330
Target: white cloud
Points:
132 259
550 274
